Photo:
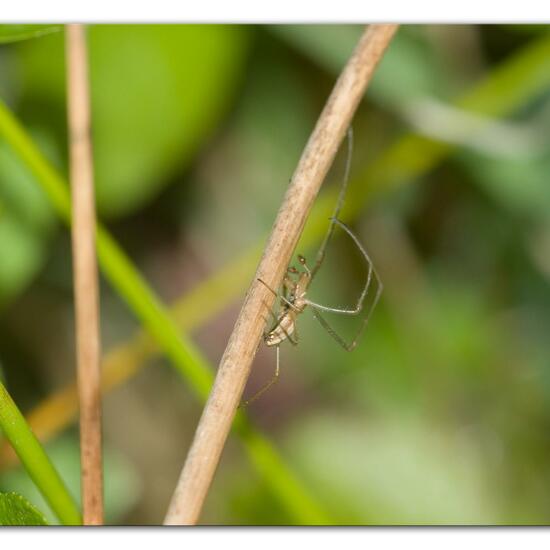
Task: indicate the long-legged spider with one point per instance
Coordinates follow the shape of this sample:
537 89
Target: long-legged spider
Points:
295 285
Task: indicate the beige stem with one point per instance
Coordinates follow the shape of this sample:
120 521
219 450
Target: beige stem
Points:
235 364
85 275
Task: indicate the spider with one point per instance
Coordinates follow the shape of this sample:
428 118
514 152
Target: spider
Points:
294 301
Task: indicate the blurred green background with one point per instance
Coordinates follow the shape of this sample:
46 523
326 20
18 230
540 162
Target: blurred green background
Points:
442 414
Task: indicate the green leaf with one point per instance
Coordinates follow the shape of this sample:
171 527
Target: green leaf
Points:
158 91
16 510
15 33
122 487
36 461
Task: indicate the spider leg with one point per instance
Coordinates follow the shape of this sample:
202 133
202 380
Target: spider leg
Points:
268 385
370 272
278 295
335 335
275 378
338 207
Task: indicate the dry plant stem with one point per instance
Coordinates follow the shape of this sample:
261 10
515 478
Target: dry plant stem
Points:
85 276
235 364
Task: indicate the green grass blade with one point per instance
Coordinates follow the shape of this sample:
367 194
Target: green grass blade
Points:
184 355
36 461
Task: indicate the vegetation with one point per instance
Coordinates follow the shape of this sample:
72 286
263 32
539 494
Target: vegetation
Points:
438 416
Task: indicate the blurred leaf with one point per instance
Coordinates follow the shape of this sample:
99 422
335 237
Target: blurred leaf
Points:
518 83
520 185
16 510
158 91
327 45
15 33
22 255
399 471
26 223
122 484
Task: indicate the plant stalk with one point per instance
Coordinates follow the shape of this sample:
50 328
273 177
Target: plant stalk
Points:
85 275
234 369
